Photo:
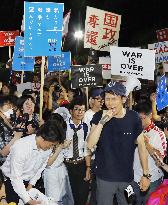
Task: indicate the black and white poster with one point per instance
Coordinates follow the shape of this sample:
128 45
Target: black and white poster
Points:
86 75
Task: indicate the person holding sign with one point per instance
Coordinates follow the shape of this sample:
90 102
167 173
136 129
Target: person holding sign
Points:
115 132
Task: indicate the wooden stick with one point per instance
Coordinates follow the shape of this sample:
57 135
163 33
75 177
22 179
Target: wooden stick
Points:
22 76
41 87
130 101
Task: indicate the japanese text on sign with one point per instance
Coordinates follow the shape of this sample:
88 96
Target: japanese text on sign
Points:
43 26
101 29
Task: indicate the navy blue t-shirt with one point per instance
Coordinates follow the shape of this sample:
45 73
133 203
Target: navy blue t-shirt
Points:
116 146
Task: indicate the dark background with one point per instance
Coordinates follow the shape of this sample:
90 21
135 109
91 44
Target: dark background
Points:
140 20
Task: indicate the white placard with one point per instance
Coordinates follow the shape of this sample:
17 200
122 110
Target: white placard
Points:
101 29
106 67
161 51
139 63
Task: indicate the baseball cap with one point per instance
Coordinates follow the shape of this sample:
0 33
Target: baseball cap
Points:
96 92
116 87
28 92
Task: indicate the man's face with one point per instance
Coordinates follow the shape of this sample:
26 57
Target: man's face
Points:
45 145
145 119
78 112
97 102
113 102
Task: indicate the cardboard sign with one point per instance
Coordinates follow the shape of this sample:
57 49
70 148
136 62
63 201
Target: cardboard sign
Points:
161 49
139 63
43 28
7 38
86 75
101 29
106 67
57 63
19 61
162 95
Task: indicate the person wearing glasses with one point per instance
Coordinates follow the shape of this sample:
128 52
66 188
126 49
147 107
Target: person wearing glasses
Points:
96 103
77 156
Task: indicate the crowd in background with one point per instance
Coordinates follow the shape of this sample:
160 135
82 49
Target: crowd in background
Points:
95 155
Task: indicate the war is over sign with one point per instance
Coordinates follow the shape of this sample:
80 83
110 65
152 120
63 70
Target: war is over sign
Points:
139 63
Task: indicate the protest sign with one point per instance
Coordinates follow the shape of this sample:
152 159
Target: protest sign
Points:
161 49
86 75
106 67
21 63
101 29
43 28
162 35
7 38
162 95
57 63
139 63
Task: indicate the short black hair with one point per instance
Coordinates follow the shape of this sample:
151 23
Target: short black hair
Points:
54 129
77 101
5 99
144 107
22 99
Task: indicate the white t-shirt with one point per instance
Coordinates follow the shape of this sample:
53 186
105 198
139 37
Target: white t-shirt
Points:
158 140
88 117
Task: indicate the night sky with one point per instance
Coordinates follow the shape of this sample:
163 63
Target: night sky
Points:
140 19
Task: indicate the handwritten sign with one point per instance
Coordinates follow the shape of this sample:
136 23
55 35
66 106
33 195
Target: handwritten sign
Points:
161 49
101 29
43 28
86 75
139 63
57 63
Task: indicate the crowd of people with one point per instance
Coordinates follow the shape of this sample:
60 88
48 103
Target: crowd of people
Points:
78 155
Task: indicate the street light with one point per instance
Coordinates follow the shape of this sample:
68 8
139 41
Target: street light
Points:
78 35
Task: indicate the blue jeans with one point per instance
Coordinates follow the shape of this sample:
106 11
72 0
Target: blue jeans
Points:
142 197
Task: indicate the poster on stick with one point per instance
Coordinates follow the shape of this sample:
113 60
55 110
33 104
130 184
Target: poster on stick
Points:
43 28
21 63
7 38
139 63
101 29
161 49
58 63
86 75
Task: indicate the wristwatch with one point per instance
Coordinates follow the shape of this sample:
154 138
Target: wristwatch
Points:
148 176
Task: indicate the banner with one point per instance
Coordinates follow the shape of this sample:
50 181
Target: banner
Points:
106 67
21 63
86 75
101 29
7 38
162 95
161 49
139 63
57 63
43 28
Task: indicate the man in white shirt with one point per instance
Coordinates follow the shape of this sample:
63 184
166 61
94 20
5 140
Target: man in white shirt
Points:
155 143
77 156
27 159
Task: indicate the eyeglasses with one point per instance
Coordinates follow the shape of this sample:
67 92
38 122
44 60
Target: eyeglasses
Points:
79 109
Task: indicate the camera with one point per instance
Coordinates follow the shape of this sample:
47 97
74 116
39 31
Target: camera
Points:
20 120
57 88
